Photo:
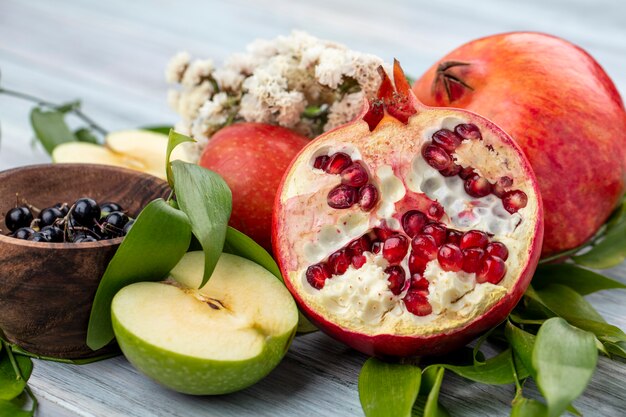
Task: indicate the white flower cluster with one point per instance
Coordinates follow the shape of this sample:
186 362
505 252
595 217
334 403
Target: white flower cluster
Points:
296 81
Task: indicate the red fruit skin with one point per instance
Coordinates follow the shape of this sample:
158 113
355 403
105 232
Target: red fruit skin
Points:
389 345
252 158
562 109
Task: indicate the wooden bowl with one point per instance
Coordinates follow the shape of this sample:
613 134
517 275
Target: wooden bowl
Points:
46 289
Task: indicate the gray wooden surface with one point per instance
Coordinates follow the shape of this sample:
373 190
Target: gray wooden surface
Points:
111 54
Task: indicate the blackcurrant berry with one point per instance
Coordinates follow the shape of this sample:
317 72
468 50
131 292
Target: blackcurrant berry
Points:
49 215
84 239
128 226
116 219
63 207
53 233
23 233
86 211
18 217
107 208
38 237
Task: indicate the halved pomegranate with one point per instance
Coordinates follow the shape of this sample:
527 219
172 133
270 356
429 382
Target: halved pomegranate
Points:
395 254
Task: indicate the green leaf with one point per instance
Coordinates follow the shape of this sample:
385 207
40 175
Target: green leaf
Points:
388 389
12 384
86 135
50 128
173 141
522 344
617 348
494 371
603 331
11 409
567 303
564 358
20 351
579 279
240 244
611 251
432 407
206 199
525 407
163 129
156 242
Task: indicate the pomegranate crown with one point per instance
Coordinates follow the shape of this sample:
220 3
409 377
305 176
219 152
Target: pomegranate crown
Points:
394 97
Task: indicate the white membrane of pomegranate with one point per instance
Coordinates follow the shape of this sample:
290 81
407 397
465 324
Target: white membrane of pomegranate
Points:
360 299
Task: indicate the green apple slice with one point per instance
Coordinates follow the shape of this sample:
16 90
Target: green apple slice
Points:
218 339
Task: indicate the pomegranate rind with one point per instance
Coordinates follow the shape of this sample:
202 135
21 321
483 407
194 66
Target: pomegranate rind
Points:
404 340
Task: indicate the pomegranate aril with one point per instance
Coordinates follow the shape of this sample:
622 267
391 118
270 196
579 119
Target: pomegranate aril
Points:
321 162
417 264
383 233
436 157
454 237
395 248
477 186
396 278
472 259
412 222
358 261
474 239
497 249
447 140
368 197
360 245
438 231
435 211
451 171
492 270
499 188
377 246
338 162
418 283
342 197
466 173
339 262
417 303
354 175
450 257
514 200
316 275
468 131
375 114
424 246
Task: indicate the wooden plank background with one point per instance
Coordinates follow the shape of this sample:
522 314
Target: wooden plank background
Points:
111 54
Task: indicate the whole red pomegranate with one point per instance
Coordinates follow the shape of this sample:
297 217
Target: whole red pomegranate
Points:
410 230
559 106
252 158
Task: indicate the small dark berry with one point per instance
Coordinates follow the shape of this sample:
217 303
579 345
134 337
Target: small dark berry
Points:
82 238
49 215
107 208
116 219
18 217
38 237
128 226
86 211
53 233
63 207
23 233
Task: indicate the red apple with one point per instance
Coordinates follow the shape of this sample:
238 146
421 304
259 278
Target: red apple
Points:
563 110
252 158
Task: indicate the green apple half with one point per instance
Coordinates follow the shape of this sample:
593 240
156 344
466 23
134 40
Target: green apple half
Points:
140 150
218 339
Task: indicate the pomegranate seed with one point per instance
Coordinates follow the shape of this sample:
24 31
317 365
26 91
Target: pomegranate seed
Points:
450 257
468 131
497 249
417 304
446 140
368 197
492 270
477 186
338 162
437 230
417 264
418 283
360 245
321 162
472 259
499 188
339 262
412 222
383 233
341 197
435 211
394 249
436 157
454 237
377 247
354 175
451 171
424 246
514 200
474 239
358 261
316 275
396 278
467 173
375 114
